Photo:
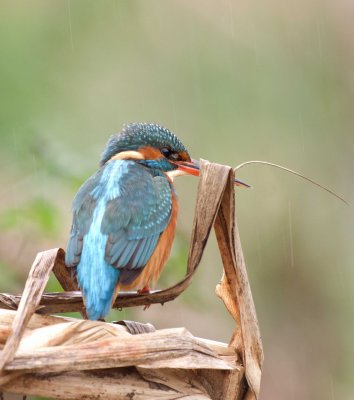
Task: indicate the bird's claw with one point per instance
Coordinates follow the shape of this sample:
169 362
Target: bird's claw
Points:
145 290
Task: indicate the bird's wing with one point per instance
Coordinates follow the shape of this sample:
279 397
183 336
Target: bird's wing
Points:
135 220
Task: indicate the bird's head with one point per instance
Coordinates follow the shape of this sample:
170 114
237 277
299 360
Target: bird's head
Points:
153 146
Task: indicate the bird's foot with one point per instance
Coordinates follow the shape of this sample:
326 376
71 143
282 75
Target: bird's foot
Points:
145 290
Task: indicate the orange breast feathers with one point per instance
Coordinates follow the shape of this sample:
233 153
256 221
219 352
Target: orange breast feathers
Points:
153 268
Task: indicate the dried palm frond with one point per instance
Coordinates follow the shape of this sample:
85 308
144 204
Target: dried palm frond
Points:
72 359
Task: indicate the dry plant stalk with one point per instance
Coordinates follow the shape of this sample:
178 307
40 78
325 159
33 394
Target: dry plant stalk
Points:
86 359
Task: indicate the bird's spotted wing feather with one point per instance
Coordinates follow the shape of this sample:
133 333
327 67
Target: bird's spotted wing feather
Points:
145 206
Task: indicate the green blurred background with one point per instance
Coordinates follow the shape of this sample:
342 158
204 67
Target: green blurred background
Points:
236 81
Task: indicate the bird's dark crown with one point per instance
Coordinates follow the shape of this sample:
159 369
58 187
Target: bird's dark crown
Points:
137 136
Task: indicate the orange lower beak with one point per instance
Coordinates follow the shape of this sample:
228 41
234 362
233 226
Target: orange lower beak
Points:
192 168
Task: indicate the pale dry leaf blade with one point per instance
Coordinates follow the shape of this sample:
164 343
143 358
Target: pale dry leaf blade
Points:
35 285
173 350
117 384
68 333
237 289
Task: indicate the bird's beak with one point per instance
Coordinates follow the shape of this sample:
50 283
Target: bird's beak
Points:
192 168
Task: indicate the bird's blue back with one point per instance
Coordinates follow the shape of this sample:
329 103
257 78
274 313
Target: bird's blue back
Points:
119 215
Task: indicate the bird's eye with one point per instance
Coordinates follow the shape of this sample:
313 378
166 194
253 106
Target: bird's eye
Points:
169 154
166 152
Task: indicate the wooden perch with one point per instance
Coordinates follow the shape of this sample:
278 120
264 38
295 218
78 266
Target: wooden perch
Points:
91 359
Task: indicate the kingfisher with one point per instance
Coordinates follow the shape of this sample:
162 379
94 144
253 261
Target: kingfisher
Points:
124 216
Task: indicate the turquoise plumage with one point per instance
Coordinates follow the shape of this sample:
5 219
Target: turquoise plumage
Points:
119 215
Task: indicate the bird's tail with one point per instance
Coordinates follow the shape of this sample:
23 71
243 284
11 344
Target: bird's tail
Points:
97 281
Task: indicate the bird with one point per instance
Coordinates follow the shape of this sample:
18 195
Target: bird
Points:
124 215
